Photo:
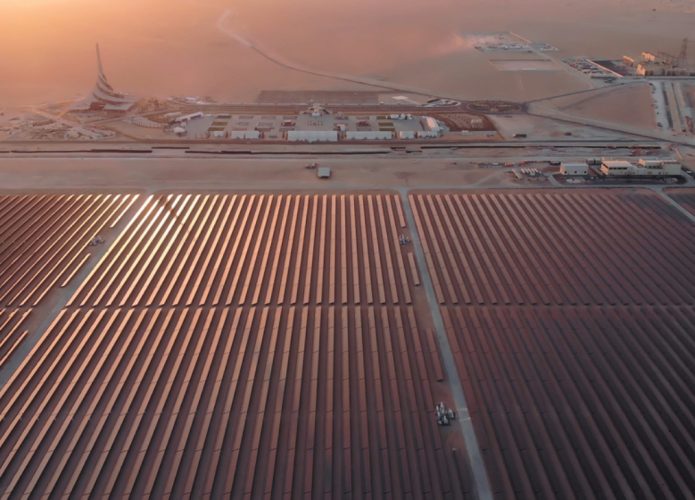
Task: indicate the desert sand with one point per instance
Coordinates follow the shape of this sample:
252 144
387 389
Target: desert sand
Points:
628 105
178 47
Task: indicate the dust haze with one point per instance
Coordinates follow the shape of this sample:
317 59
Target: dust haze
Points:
164 47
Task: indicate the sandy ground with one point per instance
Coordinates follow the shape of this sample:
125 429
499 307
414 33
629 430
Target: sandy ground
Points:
631 105
537 128
220 174
174 47
465 169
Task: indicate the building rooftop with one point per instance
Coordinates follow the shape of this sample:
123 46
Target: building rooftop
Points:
616 163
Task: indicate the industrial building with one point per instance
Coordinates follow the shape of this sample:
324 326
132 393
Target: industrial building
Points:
664 64
245 134
614 168
315 124
644 168
570 168
430 128
368 135
312 136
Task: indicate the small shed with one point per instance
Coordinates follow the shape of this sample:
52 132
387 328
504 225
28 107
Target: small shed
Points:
324 172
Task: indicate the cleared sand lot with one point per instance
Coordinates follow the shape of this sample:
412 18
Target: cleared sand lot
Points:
626 105
231 173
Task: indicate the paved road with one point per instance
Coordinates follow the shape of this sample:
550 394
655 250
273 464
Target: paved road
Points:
475 458
660 191
328 148
645 133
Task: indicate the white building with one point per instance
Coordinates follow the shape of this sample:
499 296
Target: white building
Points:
406 134
245 134
188 118
656 168
568 168
615 167
312 136
644 168
368 135
644 163
431 127
429 134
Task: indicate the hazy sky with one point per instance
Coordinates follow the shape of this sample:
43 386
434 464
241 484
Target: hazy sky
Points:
168 47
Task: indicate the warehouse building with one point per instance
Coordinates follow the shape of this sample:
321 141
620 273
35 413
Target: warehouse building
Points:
569 168
615 168
657 168
245 134
312 136
368 135
644 168
431 128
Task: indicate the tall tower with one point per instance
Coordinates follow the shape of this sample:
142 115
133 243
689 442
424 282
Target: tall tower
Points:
103 96
103 85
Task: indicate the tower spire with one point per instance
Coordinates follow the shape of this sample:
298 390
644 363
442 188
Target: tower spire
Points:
99 64
103 95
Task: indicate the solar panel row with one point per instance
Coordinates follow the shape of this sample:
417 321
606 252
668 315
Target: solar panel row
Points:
12 331
260 249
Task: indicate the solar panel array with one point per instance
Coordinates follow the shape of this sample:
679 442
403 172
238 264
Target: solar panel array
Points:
260 344
257 249
571 320
44 238
207 355
43 244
